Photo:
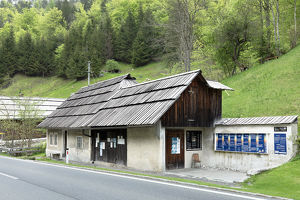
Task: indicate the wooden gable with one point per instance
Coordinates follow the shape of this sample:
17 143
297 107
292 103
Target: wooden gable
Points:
198 106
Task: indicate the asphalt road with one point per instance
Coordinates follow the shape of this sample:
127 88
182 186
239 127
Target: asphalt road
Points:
29 180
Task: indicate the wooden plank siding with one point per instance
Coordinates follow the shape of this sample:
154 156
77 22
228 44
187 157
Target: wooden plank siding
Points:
198 106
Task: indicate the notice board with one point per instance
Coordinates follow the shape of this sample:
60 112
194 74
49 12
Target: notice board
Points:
280 143
241 142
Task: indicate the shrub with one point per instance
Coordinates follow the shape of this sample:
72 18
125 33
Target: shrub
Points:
112 66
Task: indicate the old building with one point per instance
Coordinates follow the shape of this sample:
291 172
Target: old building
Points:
156 125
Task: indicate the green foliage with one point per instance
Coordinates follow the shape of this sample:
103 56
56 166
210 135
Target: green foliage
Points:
213 35
112 66
125 39
143 50
8 55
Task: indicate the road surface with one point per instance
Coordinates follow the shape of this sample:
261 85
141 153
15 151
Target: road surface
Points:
29 180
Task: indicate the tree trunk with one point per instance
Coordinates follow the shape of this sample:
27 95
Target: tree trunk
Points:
274 25
295 24
262 43
268 22
277 27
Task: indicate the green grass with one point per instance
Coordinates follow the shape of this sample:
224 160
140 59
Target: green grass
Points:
266 90
62 88
282 181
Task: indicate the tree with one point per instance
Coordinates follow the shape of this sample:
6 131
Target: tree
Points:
232 38
143 51
20 122
8 55
180 29
125 39
26 55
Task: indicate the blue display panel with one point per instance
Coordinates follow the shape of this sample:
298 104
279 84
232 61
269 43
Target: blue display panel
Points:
249 143
280 143
253 143
232 142
246 143
219 141
262 147
239 143
226 143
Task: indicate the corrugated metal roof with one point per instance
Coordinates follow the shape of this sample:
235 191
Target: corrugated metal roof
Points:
122 102
10 107
217 85
257 120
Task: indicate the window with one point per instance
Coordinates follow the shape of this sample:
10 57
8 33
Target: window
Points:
51 138
79 142
55 139
193 140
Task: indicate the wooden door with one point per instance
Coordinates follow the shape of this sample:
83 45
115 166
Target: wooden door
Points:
111 146
174 149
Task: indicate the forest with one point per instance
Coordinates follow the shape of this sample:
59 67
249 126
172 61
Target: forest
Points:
59 37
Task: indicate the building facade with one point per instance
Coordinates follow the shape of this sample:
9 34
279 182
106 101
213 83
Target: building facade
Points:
159 125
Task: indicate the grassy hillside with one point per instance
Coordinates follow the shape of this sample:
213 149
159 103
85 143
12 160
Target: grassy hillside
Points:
266 90
62 88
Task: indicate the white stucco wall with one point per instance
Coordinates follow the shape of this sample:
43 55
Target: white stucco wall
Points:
206 145
146 148
75 154
55 149
247 161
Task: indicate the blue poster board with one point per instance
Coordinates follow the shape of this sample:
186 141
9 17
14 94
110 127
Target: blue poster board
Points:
280 143
226 143
219 142
261 143
246 143
238 142
175 145
253 143
232 142
250 143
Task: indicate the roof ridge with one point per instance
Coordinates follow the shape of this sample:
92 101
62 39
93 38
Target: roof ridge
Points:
103 81
164 78
259 117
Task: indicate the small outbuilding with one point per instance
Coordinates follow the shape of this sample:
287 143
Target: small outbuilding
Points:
156 125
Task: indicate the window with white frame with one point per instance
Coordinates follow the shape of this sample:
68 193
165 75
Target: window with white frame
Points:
53 138
79 142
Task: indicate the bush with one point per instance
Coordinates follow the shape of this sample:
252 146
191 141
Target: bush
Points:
112 66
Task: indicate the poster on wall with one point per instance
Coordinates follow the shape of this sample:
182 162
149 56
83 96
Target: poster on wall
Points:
238 142
246 143
280 143
261 143
232 142
175 145
250 143
253 143
219 142
226 142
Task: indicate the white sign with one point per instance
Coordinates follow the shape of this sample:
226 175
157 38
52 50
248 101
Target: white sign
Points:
121 141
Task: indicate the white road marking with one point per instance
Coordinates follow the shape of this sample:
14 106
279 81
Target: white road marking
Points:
141 179
9 176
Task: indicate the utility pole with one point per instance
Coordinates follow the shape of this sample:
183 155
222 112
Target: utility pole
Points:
89 72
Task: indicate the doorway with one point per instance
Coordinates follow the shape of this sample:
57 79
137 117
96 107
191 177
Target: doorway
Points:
110 146
174 149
